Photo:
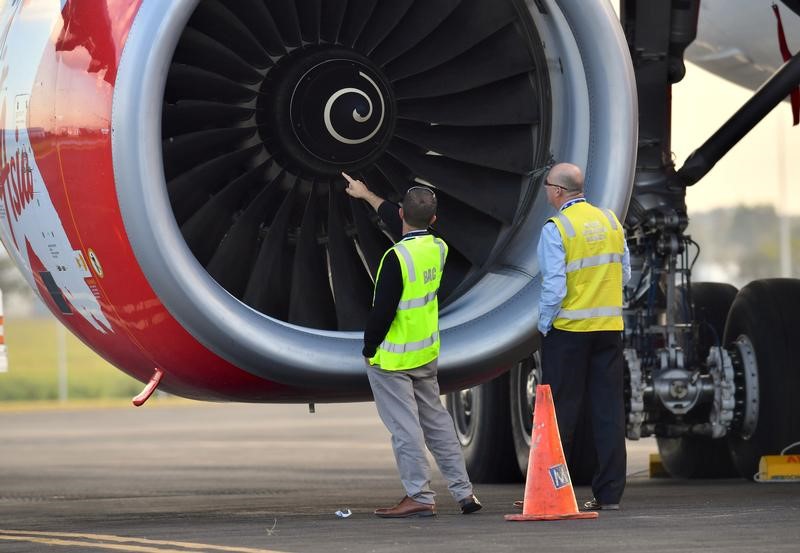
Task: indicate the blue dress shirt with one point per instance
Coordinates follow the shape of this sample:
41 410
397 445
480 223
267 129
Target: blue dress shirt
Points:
553 266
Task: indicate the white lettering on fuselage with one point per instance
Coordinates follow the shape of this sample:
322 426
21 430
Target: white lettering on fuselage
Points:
27 213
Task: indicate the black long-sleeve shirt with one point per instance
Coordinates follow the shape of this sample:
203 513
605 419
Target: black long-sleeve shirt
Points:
388 286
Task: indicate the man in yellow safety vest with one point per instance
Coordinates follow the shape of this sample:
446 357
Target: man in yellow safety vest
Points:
401 349
584 262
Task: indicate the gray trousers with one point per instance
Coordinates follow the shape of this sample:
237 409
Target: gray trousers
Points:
409 405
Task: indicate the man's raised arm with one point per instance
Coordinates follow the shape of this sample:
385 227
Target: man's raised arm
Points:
357 189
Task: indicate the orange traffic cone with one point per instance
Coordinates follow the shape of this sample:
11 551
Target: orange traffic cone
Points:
548 488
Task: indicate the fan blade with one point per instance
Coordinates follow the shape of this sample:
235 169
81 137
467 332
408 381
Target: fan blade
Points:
309 13
205 229
192 83
503 55
356 17
269 286
492 192
204 52
509 102
311 303
385 18
231 264
192 189
508 148
420 21
379 184
212 18
352 288
254 14
186 151
396 174
470 23
332 17
189 116
467 230
285 16
371 241
378 181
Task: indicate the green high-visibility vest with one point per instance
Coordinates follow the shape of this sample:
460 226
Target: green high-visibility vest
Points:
413 338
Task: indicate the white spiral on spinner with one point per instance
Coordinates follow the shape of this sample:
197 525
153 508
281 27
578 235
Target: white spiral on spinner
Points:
357 117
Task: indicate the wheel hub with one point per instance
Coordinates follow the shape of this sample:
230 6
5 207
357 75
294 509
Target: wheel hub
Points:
722 408
524 390
745 418
465 397
530 387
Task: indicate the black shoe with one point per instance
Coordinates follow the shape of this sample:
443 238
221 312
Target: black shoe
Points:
594 505
470 505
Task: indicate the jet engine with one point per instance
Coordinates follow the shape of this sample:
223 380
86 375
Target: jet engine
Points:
171 173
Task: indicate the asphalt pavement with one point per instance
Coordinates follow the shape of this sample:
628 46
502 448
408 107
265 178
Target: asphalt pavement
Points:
173 477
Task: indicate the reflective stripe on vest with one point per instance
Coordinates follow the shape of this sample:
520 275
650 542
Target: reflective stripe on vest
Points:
594 261
612 220
412 274
578 314
417 302
411 346
594 243
567 224
442 250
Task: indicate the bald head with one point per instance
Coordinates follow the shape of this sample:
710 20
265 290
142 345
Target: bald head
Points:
567 175
564 182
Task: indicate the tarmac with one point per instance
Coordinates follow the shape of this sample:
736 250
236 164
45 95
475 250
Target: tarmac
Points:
183 476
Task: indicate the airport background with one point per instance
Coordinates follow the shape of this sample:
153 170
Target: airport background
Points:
745 215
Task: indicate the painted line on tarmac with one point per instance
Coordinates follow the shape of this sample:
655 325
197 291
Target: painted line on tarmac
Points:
118 543
82 544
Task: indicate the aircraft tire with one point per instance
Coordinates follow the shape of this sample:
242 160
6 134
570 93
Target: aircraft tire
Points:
481 418
767 312
522 402
696 457
700 456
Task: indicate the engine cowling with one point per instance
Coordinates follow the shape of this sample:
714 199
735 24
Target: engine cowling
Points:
171 189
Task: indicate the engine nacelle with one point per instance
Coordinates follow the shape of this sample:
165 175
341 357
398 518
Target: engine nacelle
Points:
170 173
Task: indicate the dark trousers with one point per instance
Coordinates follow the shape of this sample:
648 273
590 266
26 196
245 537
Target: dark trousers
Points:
587 367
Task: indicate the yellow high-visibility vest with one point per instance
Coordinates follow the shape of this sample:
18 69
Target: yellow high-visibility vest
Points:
594 242
413 338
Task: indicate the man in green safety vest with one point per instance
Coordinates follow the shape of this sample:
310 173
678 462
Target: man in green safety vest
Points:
401 349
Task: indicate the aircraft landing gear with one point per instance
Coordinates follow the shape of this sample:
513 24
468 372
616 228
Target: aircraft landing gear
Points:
702 456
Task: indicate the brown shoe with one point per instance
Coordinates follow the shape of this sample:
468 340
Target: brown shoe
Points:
407 508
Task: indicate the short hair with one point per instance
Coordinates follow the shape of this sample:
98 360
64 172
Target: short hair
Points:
419 206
